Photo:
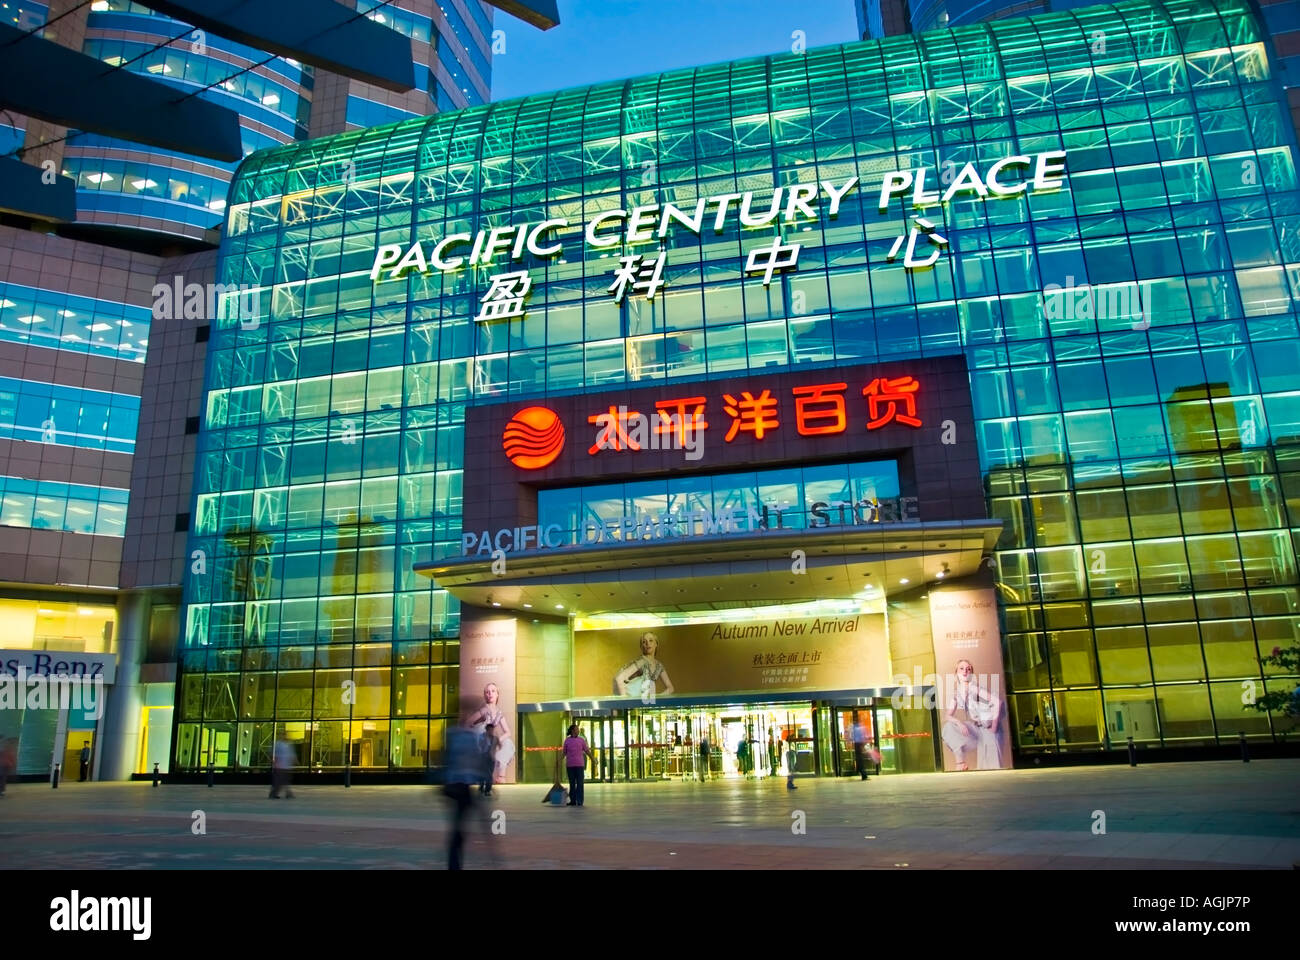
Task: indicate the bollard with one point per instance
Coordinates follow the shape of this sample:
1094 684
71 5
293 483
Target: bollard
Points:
155 773
1245 750
54 780
347 776
212 775
1132 753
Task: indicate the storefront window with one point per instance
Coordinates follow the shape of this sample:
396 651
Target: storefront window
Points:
795 494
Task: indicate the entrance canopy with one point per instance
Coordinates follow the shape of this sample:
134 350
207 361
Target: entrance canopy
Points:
863 697
721 572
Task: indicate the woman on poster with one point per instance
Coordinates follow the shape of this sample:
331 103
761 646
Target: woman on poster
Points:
639 677
491 715
980 731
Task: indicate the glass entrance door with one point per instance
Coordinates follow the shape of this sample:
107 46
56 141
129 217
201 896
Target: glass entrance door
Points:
745 741
607 738
846 756
887 741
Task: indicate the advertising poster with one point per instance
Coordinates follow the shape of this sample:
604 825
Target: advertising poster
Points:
823 653
487 680
970 688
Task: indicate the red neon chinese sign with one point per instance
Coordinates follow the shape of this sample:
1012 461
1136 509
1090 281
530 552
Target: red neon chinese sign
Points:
883 397
757 415
533 438
820 409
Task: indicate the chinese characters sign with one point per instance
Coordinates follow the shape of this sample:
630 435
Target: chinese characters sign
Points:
820 409
789 209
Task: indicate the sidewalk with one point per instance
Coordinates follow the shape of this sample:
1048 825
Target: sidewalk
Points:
1166 816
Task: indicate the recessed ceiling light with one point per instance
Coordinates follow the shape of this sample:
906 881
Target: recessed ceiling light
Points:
496 603
904 580
559 606
528 606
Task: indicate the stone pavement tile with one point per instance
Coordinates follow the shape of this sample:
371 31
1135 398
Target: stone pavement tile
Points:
1173 817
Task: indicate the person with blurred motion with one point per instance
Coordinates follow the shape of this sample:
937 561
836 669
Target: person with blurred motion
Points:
8 761
791 761
282 760
576 752
465 767
487 743
859 734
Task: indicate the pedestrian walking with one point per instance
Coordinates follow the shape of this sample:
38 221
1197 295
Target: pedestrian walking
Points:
704 757
743 755
8 761
860 757
773 755
85 761
575 753
791 760
283 760
464 768
487 747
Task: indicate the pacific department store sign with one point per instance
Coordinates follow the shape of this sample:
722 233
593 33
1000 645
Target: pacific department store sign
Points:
644 527
641 274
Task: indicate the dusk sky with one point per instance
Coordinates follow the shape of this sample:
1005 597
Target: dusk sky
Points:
599 40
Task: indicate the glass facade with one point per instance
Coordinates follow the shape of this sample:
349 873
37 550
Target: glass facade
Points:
185 195
56 625
64 321
794 498
1131 338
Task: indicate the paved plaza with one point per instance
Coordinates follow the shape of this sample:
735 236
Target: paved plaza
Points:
1167 816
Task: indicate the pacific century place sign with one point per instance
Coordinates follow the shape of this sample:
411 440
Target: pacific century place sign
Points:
640 274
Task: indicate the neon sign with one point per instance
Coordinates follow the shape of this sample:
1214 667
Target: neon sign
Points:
820 409
533 438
